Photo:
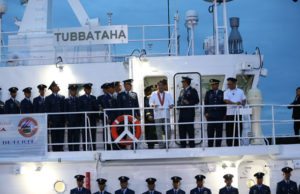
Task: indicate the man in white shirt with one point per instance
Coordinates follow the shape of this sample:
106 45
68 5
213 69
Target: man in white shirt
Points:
162 101
234 97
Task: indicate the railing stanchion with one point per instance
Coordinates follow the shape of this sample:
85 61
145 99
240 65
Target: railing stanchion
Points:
273 126
201 108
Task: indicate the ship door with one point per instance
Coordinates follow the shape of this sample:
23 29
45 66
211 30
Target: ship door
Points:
195 83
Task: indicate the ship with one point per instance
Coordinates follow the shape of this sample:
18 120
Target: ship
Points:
37 54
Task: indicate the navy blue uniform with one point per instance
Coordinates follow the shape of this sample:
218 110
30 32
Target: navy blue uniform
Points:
26 106
105 192
39 104
73 120
150 132
110 102
55 104
187 97
202 190
12 106
214 97
88 103
1 107
296 114
228 190
172 191
128 191
82 191
100 104
262 189
152 192
128 100
284 187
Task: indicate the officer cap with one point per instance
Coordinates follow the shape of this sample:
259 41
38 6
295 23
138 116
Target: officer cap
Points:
13 89
79 177
287 169
232 79
104 86
150 180
148 88
123 178
111 85
116 83
200 177
0 88
128 81
73 87
41 87
259 175
228 176
101 181
88 85
298 88
186 78
176 178
27 90
214 81
52 85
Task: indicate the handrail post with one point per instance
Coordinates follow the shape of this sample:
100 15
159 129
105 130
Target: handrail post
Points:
239 127
273 126
133 130
166 130
104 130
85 131
201 108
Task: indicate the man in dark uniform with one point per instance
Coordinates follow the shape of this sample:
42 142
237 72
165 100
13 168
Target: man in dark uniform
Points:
39 102
228 189
101 184
26 104
176 186
73 120
286 186
200 189
88 103
128 99
296 111
54 103
12 105
188 97
124 186
118 88
1 105
259 188
80 189
100 100
109 102
150 131
151 186
214 114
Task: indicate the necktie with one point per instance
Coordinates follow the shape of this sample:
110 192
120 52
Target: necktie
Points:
175 191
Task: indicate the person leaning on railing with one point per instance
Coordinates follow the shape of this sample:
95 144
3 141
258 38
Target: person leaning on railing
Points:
234 97
296 111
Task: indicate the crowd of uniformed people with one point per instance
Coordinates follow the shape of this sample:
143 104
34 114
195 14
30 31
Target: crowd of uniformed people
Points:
285 186
157 102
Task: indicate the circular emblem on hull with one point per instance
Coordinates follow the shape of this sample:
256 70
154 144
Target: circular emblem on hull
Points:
28 127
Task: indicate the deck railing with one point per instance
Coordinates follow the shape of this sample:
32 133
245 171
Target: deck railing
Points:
274 127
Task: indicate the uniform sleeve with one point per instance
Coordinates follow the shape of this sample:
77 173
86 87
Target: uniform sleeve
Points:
22 106
206 102
152 99
243 95
195 97
250 191
47 104
137 105
170 99
226 97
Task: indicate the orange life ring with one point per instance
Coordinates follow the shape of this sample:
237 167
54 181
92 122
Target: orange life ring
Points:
131 119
